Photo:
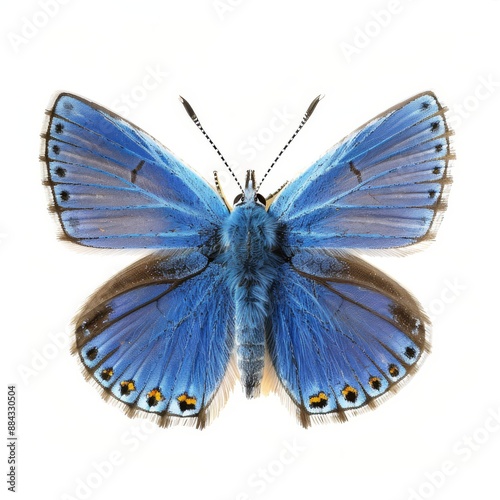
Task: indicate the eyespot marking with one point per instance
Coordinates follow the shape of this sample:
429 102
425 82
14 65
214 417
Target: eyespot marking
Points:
107 373
319 400
375 383
186 402
92 353
154 397
126 387
350 393
410 352
393 371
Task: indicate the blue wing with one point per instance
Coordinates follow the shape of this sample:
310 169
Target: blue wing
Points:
341 334
158 337
116 187
382 187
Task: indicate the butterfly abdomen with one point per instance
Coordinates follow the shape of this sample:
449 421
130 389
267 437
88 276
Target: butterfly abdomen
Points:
249 240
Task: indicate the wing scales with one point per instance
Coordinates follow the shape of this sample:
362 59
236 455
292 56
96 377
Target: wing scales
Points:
382 187
116 187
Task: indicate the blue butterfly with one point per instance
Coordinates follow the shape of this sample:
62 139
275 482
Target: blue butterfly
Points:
264 289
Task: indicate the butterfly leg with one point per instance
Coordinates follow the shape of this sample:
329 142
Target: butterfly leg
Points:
219 190
273 196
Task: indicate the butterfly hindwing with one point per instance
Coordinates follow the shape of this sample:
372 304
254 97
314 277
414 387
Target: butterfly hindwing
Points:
116 187
383 186
158 337
341 333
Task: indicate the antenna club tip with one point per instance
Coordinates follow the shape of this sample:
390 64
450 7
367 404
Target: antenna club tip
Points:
313 104
188 108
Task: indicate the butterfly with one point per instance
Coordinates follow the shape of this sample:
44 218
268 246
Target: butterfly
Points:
270 290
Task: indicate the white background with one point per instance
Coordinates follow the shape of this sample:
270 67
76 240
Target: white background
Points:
241 63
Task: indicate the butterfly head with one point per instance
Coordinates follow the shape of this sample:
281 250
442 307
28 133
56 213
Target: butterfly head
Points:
249 194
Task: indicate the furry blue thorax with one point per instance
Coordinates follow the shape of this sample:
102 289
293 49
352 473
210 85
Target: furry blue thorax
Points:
249 241
249 236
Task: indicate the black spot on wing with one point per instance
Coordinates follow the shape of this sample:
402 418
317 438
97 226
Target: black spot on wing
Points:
350 393
355 171
107 373
92 353
126 387
375 383
410 352
60 172
133 175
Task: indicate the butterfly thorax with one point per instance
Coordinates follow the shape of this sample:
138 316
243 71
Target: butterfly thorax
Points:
249 244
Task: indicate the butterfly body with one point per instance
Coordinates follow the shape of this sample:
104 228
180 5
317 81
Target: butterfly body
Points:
250 255
268 282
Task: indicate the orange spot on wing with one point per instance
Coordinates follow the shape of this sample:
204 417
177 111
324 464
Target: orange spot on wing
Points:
319 400
186 402
350 393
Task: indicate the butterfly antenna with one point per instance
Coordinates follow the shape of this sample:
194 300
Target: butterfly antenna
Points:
306 117
192 115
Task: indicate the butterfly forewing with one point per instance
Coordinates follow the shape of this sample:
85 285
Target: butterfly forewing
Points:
383 186
116 187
